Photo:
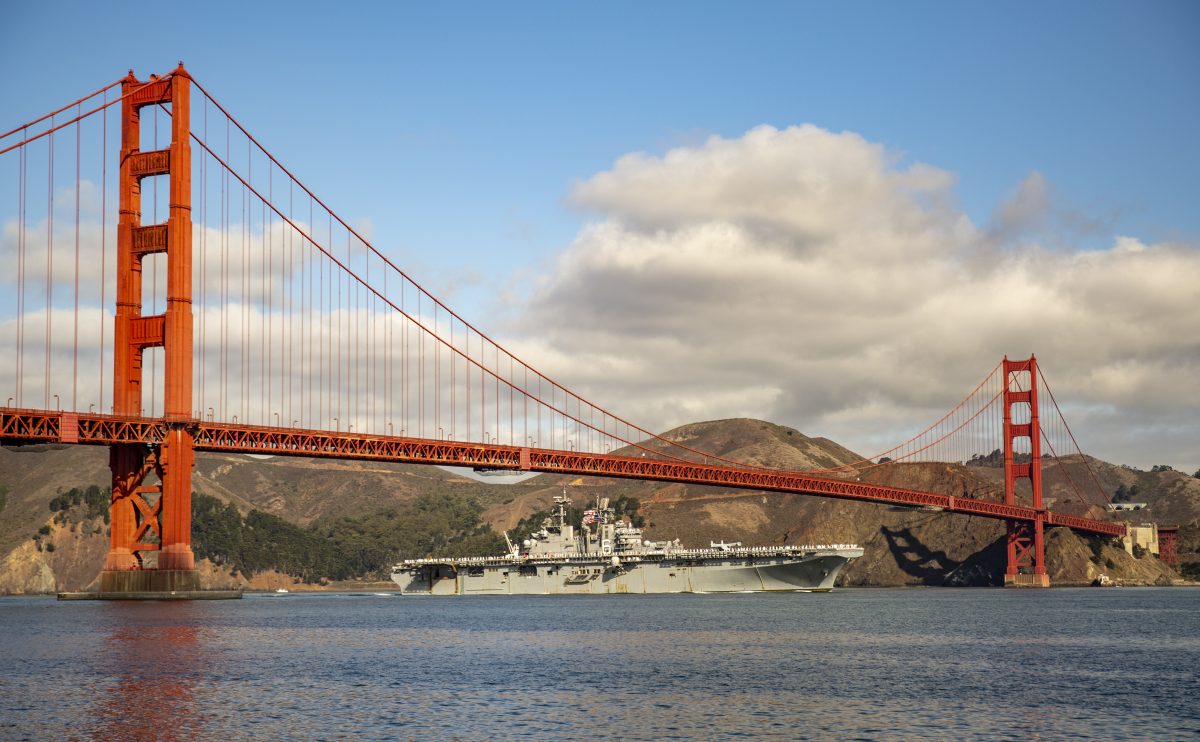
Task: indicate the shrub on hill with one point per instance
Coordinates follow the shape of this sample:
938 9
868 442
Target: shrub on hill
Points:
96 501
1124 494
340 548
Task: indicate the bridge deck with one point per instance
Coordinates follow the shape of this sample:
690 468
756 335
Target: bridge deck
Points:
39 426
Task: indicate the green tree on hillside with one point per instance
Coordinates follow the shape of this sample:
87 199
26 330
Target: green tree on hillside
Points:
432 525
341 548
96 501
260 541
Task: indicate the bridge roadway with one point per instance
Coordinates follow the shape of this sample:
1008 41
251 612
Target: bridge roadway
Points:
26 426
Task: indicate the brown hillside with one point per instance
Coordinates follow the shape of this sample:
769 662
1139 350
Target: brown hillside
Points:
756 443
903 546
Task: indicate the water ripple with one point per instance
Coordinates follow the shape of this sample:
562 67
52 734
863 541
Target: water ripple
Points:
855 664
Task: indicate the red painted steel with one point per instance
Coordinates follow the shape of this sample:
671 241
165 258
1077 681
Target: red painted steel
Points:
165 508
28 426
1026 537
1168 540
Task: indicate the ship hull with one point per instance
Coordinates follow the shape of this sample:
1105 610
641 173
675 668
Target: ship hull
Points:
810 573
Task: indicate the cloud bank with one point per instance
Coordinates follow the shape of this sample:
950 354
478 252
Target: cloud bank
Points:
815 279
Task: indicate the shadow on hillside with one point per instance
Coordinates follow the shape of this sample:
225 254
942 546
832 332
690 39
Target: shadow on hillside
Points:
981 569
916 559
984 568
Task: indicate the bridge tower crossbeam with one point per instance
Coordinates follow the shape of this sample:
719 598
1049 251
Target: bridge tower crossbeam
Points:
150 547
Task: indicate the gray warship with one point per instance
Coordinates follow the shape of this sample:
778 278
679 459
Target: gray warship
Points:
606 555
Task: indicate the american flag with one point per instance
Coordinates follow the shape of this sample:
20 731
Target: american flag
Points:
589 517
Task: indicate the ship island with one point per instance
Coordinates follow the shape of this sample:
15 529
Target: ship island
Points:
607 555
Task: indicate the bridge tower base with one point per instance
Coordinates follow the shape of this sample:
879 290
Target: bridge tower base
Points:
1027 580
149 581
1026 543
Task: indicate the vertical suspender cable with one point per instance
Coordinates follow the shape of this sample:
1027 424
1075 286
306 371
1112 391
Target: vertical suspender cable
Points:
403 360
103 238
267 277
244 381
338 360
288 309
262 314
75 335
49 264
387 358
202 307
437 375
21 200
308 273
225 280
421 397
368 326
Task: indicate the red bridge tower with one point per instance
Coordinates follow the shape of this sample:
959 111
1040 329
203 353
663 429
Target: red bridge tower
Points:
1026 545
151 546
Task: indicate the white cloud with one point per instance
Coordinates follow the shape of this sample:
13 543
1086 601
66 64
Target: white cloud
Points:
1024 209
812 278
803 276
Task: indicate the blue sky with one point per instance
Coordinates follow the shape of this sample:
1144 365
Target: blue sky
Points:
460 132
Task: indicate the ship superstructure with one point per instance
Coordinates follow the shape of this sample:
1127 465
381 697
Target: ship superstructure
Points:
605 554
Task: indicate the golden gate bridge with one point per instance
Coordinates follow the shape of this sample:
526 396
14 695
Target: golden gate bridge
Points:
240 313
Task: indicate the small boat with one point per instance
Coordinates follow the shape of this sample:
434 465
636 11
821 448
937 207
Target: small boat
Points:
282 590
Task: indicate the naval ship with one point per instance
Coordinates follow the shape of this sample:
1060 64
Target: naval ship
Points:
606 555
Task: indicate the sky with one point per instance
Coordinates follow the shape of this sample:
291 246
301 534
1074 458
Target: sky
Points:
834 216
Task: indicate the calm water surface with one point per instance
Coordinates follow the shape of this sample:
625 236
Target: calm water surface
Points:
854 664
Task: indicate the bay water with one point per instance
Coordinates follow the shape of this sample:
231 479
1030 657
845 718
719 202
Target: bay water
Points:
902 664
